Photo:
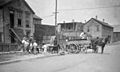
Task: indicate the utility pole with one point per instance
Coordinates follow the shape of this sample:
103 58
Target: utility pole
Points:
56 21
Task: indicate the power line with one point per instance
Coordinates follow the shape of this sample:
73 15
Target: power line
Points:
47 16
89 8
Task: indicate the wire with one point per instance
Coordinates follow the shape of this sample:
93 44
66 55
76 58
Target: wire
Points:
48 16
89 8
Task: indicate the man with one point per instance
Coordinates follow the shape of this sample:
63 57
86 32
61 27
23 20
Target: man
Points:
25 44
34 46
83 35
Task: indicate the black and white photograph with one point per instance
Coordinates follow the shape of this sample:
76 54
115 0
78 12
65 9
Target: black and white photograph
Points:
59 35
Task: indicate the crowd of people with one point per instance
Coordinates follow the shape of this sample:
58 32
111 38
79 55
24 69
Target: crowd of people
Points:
29 45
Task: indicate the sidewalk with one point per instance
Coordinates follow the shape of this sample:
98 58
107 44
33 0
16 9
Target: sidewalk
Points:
19 56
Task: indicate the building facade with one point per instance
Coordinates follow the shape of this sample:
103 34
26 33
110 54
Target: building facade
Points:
97 28
16 20
37 20
43 33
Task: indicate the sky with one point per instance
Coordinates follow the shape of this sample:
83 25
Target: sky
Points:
79 10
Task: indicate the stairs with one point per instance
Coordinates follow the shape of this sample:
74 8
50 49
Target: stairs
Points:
17 33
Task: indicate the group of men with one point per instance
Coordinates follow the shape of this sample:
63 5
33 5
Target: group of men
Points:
29 44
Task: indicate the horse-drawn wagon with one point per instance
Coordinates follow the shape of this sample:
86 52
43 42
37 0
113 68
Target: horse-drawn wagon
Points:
78 45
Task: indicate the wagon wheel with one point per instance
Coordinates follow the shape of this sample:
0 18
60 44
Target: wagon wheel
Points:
72 48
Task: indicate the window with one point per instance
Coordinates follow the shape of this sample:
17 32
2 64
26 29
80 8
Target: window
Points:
88 29
19 23
27 23
19 13
98 28
19 18
69 28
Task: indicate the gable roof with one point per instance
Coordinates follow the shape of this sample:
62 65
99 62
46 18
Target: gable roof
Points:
5 2
37 17
100 22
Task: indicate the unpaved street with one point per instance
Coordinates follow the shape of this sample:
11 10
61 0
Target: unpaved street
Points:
107 62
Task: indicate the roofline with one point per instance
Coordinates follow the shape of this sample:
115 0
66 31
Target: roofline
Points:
70 22
29 7
116 31
100 23
22 0
45 25
5 4
38 18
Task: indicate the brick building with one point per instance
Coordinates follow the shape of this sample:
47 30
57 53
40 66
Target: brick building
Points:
16 20
98 28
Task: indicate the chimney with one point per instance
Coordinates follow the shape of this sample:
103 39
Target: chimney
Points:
63 21
96 17
73 20
103 20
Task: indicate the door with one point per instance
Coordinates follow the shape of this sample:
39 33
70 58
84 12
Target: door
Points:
11 19
12 26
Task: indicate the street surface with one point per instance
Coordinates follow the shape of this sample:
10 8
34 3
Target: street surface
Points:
91 62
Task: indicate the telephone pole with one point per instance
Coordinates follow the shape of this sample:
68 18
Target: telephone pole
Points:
56 21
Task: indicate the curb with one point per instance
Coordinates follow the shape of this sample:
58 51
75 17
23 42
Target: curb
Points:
11 52
24 59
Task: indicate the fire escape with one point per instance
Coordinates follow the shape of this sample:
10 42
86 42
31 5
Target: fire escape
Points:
14 36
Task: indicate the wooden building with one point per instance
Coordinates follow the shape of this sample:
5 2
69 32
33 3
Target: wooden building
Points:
98 28
43 33
71 29
16 20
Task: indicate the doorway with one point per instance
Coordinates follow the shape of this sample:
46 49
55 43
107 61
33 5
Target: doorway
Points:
12 26
11 19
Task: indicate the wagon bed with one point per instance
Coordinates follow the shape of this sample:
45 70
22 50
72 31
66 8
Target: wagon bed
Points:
79 42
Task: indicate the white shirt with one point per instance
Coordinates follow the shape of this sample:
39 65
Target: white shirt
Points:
35 44
25 43
82 35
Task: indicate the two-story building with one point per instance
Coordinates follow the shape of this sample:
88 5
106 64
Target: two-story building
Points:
97 28
16 20
71 29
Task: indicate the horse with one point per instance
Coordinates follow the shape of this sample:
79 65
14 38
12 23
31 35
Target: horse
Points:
101 42
56 48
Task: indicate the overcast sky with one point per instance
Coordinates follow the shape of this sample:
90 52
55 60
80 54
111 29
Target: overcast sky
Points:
79 10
